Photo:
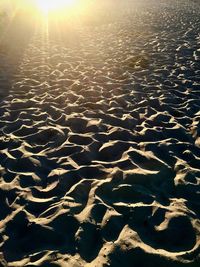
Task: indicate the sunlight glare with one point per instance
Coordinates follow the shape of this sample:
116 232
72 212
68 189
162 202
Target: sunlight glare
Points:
52 5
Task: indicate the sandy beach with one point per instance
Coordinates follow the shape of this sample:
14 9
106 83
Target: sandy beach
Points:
100 137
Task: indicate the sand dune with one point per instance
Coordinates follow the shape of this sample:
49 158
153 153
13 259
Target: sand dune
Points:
99 139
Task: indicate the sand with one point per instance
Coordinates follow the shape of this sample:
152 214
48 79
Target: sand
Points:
100 136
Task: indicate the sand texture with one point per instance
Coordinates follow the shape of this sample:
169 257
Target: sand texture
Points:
100 138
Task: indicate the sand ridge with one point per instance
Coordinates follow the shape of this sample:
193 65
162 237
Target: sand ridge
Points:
99 143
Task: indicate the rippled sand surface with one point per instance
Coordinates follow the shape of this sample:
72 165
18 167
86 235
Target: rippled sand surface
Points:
100 138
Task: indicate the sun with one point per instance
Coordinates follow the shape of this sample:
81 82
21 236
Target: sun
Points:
53 5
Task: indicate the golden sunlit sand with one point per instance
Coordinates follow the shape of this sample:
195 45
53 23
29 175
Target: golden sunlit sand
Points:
99 133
